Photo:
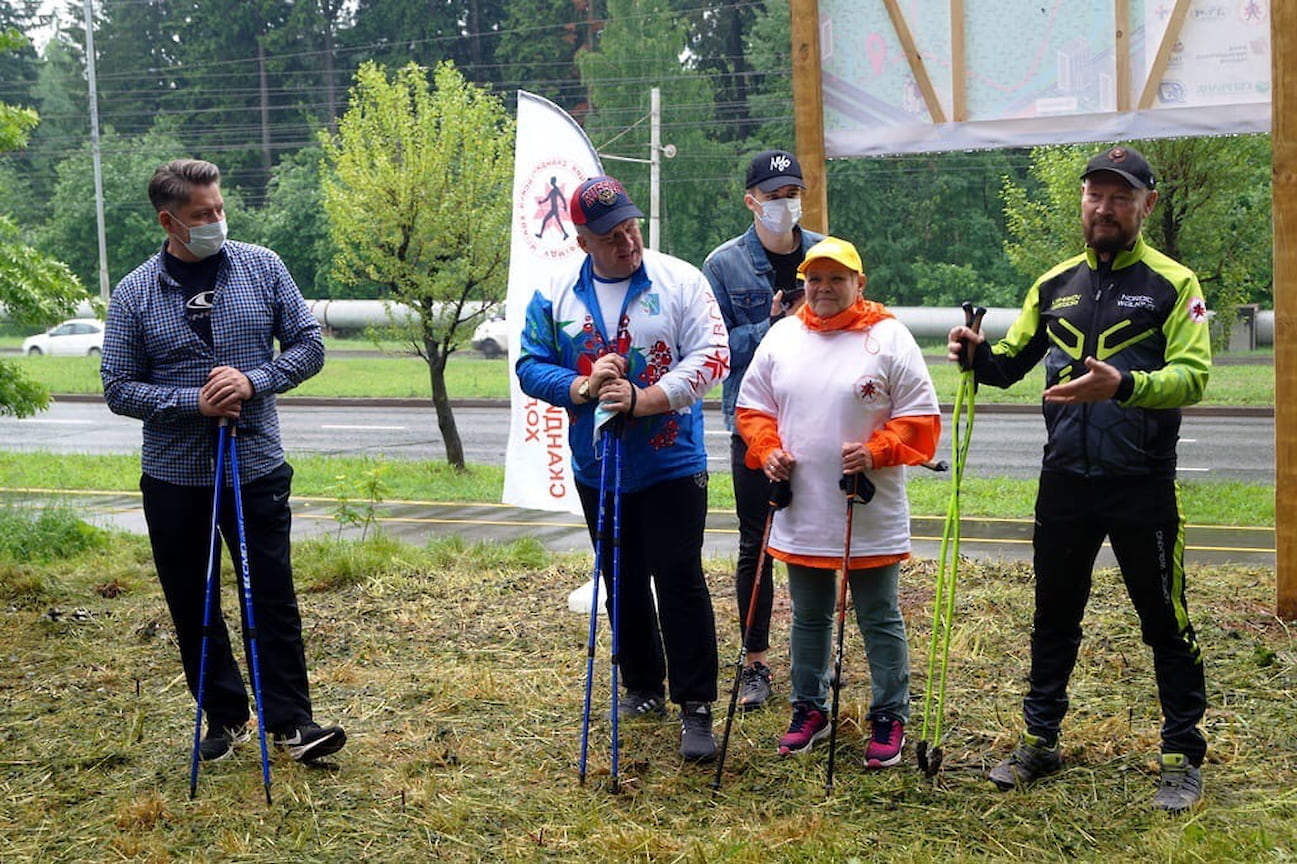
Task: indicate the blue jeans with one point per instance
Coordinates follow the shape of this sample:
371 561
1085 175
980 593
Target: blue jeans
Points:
878 613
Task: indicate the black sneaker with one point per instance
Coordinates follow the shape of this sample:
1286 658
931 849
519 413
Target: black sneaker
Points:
696 741
219 742
636 704
1029 761
754 686
311 741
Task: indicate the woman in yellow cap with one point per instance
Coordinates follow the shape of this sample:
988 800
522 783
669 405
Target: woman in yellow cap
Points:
840 389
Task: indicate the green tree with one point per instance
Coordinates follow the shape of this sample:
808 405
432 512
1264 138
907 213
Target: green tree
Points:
1212 213
640 47
294 224
34 288
418 202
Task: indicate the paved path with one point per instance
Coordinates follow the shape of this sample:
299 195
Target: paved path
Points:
417 521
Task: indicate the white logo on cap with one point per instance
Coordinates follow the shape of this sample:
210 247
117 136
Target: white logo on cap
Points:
779 162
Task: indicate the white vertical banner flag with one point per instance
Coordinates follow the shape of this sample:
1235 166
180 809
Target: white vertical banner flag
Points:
552 158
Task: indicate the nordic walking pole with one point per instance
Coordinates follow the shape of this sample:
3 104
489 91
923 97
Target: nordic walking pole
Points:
781 495
613 619
213 577
594 609
247 607
928 750
860 488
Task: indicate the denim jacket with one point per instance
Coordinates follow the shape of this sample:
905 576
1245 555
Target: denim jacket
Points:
743 282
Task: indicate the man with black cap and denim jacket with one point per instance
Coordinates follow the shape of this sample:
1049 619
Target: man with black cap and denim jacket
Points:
1122 329
629 331
754 277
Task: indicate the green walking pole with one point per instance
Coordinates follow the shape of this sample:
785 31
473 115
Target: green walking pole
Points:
943 602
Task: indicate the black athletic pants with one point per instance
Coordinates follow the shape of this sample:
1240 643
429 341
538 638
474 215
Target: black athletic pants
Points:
661 539
1141 518
179 520
752 503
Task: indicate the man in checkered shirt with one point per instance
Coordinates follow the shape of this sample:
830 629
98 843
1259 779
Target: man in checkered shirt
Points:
190 342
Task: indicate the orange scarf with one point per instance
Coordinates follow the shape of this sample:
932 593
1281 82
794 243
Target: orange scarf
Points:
859 315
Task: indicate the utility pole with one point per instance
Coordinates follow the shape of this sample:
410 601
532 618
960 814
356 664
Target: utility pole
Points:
655 165
94 150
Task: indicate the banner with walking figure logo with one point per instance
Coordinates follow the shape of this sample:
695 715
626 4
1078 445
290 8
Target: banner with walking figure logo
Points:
551 159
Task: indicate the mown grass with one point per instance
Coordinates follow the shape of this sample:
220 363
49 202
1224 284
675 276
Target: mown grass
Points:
459 675
1204 503
470 376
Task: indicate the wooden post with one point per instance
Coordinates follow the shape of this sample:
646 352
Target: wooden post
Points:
1121 46
1283 139
808 112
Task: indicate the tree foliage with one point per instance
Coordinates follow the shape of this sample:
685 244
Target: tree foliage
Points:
418 195
34 288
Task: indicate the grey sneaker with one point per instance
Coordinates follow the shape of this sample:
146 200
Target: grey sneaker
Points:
219 743
1181 785
754 686
636 704
696 741
1028 762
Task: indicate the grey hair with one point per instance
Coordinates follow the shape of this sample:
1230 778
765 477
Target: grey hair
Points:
174 182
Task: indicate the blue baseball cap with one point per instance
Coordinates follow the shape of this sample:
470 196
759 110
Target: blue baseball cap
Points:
601 204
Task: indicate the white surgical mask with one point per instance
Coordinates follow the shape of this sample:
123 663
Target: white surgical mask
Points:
204 240
779 215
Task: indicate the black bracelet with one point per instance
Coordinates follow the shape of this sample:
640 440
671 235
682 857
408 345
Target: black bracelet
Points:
633 398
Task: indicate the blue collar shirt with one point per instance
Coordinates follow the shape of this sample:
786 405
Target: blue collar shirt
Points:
154 364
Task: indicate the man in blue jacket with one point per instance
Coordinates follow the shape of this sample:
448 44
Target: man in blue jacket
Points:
638 334
754 278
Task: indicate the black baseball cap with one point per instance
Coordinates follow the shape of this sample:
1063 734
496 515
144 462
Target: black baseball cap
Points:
1127 162
601 204
773 169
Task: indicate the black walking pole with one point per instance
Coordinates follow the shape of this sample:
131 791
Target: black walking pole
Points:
213 578
860 488
781 495
247 606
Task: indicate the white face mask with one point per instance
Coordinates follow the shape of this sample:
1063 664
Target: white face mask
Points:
204 240
779 215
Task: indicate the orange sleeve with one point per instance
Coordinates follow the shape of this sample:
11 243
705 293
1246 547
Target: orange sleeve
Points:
905 440
760 432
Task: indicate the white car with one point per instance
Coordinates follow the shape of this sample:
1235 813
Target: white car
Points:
77 337
492 337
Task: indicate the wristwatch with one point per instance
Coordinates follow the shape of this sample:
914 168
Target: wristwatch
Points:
584 390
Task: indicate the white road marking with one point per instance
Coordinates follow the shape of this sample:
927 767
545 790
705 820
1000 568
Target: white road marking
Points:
343 426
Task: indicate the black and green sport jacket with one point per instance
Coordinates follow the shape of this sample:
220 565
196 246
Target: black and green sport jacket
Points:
1143 314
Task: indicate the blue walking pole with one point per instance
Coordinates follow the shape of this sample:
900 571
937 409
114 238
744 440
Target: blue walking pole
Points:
616 579
213 577
594 613
247 606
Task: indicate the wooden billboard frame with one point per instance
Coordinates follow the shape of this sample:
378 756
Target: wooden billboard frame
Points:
808 116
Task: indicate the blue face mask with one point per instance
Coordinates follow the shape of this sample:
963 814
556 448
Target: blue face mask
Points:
204 240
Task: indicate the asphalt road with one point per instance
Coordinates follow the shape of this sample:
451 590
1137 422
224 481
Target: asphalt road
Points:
1005 443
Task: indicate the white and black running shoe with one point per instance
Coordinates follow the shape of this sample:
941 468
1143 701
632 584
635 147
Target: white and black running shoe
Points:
311 741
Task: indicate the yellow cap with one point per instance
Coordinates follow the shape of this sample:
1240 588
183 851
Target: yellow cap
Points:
835 250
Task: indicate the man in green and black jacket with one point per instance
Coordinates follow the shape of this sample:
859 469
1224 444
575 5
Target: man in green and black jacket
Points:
1123 332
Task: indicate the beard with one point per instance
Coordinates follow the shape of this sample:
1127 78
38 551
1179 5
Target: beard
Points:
1113 240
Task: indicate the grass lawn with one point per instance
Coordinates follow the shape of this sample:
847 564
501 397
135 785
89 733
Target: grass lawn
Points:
459 675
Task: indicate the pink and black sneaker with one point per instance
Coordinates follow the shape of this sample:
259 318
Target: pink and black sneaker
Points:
886 740
808 726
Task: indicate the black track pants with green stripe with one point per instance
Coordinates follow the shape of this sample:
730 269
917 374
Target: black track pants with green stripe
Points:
1141 518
